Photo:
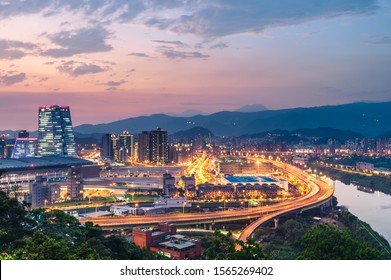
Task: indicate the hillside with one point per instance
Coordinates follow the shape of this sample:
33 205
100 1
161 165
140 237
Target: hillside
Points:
192 133
321 132
369 119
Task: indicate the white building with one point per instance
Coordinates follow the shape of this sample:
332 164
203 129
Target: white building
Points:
126 210
170 202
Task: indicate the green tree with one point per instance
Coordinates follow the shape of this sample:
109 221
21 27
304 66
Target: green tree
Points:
5 256
325 242
292 230
84 252
42 247
225 247
14 223
250 250
221 247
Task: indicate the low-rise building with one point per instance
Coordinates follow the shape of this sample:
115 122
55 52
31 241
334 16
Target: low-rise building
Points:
170 202
165 240
365 166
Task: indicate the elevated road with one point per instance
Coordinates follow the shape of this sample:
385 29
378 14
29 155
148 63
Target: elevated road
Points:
319 193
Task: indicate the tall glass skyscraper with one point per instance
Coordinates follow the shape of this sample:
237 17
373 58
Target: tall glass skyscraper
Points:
55 132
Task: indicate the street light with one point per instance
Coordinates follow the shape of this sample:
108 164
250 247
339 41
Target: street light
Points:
183 207
135 212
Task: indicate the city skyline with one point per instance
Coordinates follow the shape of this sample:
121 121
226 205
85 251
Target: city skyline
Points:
111 60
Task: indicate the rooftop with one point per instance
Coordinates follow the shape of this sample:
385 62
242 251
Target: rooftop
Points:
178 243
9 164
250 179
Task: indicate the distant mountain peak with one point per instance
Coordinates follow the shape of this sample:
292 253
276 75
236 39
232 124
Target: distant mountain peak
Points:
252 108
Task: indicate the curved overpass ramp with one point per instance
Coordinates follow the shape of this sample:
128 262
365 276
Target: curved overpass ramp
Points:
320 193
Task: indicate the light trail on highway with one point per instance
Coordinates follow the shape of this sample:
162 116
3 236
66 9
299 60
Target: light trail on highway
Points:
319 193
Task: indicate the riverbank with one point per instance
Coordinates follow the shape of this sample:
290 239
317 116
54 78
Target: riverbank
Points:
287 241
375 182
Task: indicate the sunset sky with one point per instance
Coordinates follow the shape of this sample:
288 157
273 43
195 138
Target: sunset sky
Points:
111 60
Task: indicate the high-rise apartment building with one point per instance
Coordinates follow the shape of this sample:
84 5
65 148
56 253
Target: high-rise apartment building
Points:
115 143
143 146
159 146
125 146
107 151
153 146
117 147
55 131
75 183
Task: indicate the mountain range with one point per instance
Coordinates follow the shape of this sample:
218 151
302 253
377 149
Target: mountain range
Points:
368 119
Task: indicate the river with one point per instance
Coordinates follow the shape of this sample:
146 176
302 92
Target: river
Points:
374 208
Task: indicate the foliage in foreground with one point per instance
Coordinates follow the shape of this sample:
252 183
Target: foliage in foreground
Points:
223 247
325 242
40 235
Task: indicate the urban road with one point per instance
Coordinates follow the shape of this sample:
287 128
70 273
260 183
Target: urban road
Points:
319 193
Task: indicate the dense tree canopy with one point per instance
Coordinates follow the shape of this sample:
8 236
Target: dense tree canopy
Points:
325 242
223 247
14 223
55 235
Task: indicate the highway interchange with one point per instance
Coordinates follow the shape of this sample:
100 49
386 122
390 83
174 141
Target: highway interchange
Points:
319 193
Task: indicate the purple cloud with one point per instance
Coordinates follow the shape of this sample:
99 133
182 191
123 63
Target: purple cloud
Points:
83 40
9 80
76 69
10 49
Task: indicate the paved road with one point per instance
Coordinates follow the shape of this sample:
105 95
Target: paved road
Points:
320 193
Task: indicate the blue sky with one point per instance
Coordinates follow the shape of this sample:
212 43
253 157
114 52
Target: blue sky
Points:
110 60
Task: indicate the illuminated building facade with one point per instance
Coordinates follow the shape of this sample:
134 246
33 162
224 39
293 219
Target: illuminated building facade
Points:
55 131
159 147
75 184
117 147
153 147
125 146
25 147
